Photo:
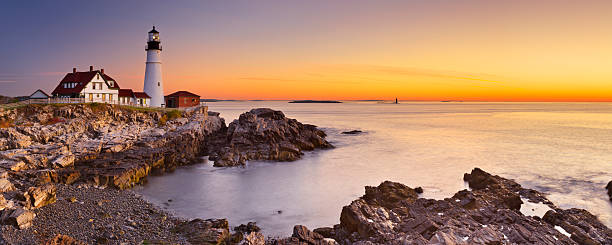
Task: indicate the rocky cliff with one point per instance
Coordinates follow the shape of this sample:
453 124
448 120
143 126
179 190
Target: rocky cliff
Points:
264 134
105 145
495 211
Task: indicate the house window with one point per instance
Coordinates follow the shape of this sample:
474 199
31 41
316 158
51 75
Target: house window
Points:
158 84
98 95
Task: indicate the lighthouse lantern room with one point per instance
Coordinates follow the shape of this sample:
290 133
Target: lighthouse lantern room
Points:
153 84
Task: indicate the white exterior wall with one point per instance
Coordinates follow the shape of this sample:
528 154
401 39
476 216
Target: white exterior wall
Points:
153 84
145 102
101 95
126 100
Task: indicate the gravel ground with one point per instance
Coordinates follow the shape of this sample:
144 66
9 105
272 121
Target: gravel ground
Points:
93 215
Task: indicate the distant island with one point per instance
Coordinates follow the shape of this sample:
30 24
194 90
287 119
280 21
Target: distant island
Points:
314 101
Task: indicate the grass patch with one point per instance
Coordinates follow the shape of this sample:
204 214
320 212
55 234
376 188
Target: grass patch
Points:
174 114
169 116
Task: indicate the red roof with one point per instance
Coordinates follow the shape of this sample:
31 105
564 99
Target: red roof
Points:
141 95
81 78
126 93
182 94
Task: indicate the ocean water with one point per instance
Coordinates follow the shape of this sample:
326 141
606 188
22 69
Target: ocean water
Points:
561 149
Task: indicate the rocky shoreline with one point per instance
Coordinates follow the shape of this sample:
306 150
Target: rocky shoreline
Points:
47 150
64 170
494 211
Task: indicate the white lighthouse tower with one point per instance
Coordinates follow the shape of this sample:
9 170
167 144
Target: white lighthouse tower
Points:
153 85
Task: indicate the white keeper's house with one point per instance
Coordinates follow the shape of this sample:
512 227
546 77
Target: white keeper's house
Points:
97 86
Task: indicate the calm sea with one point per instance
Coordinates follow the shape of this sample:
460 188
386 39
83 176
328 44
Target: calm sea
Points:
561 149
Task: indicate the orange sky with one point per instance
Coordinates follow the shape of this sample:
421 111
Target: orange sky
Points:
413 50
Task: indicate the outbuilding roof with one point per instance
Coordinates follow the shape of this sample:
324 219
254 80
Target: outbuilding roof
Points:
43 92
182 94
126 93
141 95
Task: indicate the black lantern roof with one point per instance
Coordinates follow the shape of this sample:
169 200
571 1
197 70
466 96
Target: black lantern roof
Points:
153 31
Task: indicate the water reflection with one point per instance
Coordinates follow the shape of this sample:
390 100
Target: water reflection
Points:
559 148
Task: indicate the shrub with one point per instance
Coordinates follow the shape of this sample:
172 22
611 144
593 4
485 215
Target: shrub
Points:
174 114
169 116
162 121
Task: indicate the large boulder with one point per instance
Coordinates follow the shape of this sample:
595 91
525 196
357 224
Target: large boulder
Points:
490 213
210 231
40 196
264 134
18 217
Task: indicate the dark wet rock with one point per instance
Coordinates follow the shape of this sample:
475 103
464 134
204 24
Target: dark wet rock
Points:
392 213
264 134
418 190
609 188
353 132
210 231
248 228
327 232
302 235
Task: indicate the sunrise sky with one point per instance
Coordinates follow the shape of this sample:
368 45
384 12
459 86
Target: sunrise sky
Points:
414 50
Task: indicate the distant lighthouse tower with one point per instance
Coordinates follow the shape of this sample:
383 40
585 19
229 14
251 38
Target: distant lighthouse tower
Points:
153 85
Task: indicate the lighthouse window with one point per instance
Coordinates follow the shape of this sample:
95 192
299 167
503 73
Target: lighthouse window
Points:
158 84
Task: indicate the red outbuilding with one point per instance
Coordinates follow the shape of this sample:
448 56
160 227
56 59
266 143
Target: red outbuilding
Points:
182 99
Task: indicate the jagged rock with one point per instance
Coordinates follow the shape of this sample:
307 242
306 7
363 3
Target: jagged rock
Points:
264 134
40 196
392 213
303 236
3 203
63 161
327 232
248 228
254 238
60 239
210 231
6 185
19 217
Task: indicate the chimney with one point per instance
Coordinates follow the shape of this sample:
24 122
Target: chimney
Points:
74 70
90 68
102 71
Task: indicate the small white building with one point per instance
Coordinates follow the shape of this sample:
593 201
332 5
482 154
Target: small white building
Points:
39 94
129 97
92 86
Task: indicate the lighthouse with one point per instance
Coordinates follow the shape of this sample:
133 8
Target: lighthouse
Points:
153 85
